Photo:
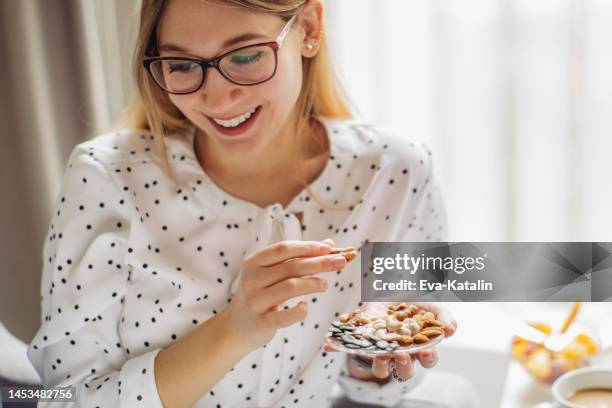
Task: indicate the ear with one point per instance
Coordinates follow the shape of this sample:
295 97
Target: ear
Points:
311 22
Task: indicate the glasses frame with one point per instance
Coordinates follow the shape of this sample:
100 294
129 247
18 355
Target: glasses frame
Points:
214 63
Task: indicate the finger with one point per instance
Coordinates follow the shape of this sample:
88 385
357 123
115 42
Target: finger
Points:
380 367
288 289
284 250
329 348
286 317
443 315
404 366
300 267
363 363
330 242
427 358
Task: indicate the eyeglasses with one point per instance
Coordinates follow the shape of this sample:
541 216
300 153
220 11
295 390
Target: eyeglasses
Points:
247 66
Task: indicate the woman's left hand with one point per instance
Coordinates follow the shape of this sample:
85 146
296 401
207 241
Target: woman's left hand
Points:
401 366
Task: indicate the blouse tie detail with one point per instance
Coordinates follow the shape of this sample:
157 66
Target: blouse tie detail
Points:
281 355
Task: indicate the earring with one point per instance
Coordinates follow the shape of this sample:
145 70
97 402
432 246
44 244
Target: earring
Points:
311 44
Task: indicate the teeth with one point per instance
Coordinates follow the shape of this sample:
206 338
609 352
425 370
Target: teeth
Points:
235 121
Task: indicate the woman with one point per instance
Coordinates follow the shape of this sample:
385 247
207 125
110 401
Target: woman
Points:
188 262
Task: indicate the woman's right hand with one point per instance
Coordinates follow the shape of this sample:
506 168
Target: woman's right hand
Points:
270 277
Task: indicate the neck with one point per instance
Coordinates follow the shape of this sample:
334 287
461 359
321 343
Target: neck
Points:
283 158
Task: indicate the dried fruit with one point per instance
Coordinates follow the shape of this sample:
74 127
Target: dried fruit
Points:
546 365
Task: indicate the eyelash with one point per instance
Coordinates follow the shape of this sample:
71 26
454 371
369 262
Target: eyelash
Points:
177 67
249 59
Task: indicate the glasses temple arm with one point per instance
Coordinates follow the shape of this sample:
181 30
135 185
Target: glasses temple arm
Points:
285 31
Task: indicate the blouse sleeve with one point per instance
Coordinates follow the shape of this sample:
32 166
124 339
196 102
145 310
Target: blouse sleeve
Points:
84 279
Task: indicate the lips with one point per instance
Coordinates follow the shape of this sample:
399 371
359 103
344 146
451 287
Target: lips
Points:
235 120
237 130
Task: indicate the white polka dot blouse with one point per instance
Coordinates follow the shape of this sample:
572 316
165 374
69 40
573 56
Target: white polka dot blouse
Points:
135 259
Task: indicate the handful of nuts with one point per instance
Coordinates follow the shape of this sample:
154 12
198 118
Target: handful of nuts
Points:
402 326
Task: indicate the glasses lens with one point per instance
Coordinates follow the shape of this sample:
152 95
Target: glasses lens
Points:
176 75
249 65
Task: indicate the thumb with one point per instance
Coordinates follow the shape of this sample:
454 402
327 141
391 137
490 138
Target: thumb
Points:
329 348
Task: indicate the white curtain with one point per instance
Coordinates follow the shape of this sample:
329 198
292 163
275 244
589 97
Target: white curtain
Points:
513 96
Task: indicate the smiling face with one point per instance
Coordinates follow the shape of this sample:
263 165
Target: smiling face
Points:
207 29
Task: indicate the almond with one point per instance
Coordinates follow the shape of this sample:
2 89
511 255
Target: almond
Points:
349 256
339 250
433 323
348 253
405 340
393 337
420 338
431 332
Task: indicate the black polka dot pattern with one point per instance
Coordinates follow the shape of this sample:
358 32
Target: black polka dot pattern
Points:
135 260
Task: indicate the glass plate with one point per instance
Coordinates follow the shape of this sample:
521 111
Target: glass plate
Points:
413 348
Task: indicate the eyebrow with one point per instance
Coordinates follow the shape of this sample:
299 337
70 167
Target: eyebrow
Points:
228 43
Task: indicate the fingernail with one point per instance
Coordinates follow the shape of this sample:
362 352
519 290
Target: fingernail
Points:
339 261
325 284
325 247
429 358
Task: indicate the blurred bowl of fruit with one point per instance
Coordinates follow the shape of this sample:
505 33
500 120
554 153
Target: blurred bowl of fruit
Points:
546 365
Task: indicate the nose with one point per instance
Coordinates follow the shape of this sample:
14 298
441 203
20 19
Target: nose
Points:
217 92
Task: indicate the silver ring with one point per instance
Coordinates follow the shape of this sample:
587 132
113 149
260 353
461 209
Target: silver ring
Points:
397 378
394 373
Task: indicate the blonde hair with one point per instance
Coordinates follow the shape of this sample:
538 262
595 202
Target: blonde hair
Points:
150 108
